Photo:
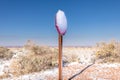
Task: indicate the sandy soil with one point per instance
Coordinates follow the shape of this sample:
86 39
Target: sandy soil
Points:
76 71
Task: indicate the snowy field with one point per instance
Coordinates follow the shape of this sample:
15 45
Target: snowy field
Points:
86 56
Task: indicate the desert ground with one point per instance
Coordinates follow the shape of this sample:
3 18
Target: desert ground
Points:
79 63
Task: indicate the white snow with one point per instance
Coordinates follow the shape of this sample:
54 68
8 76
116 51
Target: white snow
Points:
110 65
61 22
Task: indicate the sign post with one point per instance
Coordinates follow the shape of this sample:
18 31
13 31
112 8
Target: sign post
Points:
60 57
61 26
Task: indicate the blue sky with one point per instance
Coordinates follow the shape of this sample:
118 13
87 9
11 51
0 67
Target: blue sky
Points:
89 21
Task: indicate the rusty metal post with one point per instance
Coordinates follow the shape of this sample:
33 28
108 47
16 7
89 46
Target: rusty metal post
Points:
60 56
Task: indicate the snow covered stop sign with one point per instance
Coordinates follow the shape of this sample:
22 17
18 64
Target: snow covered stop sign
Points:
61 22
61 25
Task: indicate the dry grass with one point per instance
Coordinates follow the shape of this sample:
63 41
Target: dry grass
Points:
109 52
40 58
78 54
5 53
71 57
5 75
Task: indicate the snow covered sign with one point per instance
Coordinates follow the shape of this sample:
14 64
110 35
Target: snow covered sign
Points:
61 25
61 22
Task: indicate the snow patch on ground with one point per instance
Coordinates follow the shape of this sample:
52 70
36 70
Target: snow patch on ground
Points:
4 66
37 75
110 65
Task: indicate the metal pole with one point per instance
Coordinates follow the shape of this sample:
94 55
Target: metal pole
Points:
60 56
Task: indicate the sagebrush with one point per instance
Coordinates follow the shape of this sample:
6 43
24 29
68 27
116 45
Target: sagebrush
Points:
5 53
40 58
109 52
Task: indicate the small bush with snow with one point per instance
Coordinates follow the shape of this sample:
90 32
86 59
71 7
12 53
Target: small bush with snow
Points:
5 53
108 52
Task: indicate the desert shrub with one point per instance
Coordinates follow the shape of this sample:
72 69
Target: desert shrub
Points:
70 57
108 52
40 58
5 75
5 53
29 44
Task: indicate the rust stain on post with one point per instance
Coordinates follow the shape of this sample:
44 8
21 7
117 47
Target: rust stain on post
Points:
60 56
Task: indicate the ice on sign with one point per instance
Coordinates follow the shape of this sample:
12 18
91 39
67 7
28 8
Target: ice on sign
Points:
61 22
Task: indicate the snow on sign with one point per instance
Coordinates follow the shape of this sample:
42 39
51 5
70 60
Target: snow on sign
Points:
61 25
61 22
